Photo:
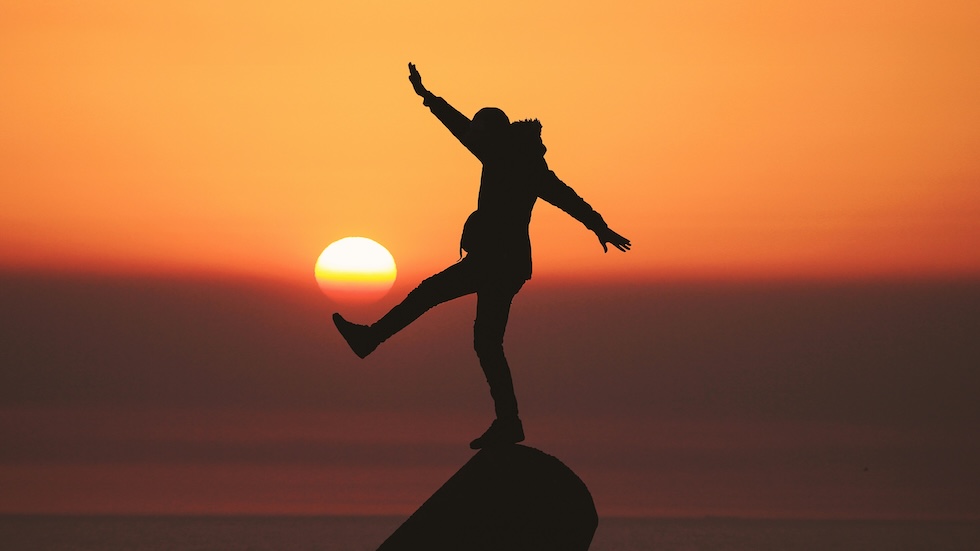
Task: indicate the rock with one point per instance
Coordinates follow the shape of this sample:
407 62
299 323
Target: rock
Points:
506 498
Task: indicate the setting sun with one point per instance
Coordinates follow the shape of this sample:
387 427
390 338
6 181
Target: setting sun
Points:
355 270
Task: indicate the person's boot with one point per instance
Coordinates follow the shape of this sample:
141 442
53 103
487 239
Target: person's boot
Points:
502 432
360 338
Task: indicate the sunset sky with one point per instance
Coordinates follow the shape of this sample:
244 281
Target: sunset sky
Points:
723 138
800 180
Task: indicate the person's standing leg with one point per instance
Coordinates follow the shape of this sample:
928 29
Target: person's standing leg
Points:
453 282
492 311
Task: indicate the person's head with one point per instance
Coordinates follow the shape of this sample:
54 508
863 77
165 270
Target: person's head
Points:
489 125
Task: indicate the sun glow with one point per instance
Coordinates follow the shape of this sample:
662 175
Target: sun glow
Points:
355 270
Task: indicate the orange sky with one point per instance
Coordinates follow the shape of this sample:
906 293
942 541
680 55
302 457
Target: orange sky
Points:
835 138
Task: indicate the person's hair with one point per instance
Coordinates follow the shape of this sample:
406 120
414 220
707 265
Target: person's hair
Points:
493 117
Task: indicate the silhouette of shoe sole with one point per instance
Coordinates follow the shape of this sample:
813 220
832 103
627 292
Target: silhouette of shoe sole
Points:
500 434
355 335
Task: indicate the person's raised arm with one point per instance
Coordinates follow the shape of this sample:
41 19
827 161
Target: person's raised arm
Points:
456 122
416 79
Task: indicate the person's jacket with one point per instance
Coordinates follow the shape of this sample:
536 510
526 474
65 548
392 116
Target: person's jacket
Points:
514 176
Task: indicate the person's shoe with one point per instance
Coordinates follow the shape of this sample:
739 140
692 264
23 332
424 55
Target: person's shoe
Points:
358 337
502 432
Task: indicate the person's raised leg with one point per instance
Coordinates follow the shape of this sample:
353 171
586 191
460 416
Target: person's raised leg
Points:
492 312
453 282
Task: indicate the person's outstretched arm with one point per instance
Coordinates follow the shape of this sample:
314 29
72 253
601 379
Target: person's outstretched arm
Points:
561 195
456 122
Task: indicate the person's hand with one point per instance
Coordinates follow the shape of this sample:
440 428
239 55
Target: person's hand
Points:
416 79
607 236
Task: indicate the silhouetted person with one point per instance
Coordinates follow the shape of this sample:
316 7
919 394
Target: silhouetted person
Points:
498 248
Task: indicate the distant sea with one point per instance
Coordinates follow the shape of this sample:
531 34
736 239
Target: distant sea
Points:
110 533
